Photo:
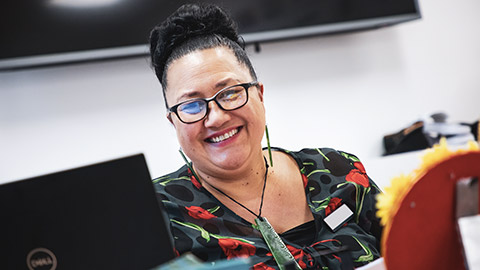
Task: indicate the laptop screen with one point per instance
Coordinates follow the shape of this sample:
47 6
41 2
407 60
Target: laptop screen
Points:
103 216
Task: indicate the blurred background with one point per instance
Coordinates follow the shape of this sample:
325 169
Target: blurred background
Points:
344 91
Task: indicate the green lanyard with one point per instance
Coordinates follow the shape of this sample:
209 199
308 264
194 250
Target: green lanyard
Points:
280 252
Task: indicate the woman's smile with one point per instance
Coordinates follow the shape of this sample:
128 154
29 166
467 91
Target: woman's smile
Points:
224 136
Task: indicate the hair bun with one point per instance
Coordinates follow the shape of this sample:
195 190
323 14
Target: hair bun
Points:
189 21
193 20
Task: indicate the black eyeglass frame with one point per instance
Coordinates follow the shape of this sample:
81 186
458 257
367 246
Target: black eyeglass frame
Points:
246 86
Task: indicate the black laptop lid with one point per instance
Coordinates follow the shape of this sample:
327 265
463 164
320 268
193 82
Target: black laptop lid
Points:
103 216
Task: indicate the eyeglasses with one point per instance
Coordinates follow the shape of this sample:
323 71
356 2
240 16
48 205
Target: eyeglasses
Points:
228 99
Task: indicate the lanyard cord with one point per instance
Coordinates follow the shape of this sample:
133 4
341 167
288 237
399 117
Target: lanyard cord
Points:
263 193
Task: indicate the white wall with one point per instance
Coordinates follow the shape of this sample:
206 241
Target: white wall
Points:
344 91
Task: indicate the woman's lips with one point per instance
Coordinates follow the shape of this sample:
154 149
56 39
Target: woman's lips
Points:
224 136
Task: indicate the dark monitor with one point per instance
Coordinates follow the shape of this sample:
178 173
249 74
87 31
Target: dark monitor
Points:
36 33
103 216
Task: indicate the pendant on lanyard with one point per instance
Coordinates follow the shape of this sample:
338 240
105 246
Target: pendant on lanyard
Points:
280 252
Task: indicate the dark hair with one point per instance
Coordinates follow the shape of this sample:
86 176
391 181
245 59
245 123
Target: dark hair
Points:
194 27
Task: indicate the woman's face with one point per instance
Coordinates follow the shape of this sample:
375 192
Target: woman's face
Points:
201 74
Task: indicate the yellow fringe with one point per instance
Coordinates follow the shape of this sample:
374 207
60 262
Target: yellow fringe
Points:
389 201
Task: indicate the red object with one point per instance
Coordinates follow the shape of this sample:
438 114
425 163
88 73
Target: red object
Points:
262 266
298 254
236 248
305 180
194 180
332 205
199 213
358 175
423 233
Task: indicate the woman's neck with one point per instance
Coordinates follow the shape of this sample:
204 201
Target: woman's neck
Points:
242 183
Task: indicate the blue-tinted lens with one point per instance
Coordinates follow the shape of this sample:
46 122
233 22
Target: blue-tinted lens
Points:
192 111
194 107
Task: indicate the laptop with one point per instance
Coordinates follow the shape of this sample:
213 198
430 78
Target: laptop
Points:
103 216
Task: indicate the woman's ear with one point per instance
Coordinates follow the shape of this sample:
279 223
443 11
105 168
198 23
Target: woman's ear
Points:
260 91
169 117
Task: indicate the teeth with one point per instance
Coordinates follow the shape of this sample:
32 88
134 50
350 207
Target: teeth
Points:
224 136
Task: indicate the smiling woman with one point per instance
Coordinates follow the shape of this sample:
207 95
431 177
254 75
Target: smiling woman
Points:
202 74
229 201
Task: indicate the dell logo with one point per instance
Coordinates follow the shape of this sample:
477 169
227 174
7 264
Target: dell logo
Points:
41 259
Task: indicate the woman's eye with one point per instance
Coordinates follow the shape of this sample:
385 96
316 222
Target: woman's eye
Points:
192 107
232 94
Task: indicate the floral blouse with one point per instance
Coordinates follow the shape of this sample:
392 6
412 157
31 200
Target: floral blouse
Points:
202 225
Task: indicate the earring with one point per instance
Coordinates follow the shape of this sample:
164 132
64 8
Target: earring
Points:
268 146
189 164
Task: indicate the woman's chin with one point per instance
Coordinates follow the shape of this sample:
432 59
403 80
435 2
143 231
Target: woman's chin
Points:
229 163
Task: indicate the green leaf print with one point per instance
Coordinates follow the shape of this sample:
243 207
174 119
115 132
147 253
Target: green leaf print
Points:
317 171
159 179
368 257
168 180
206 235
214 209
353 158
325 157
358 201
203 232
343 184
229 237
360 205
322 204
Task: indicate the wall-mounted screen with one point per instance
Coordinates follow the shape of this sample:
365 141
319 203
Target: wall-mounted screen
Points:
45 32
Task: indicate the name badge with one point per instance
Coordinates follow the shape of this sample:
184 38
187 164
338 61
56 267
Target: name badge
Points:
338 217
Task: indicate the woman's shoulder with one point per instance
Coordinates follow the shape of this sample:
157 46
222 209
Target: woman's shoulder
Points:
321 156
179 189
176 173
317 162
325 153
180 177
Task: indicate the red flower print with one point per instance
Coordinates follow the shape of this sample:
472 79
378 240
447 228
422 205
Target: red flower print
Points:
305 180
358 175
199 213
332 205
262 266
194 180
235 248
298 254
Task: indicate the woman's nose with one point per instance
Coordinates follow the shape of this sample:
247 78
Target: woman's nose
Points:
216 116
